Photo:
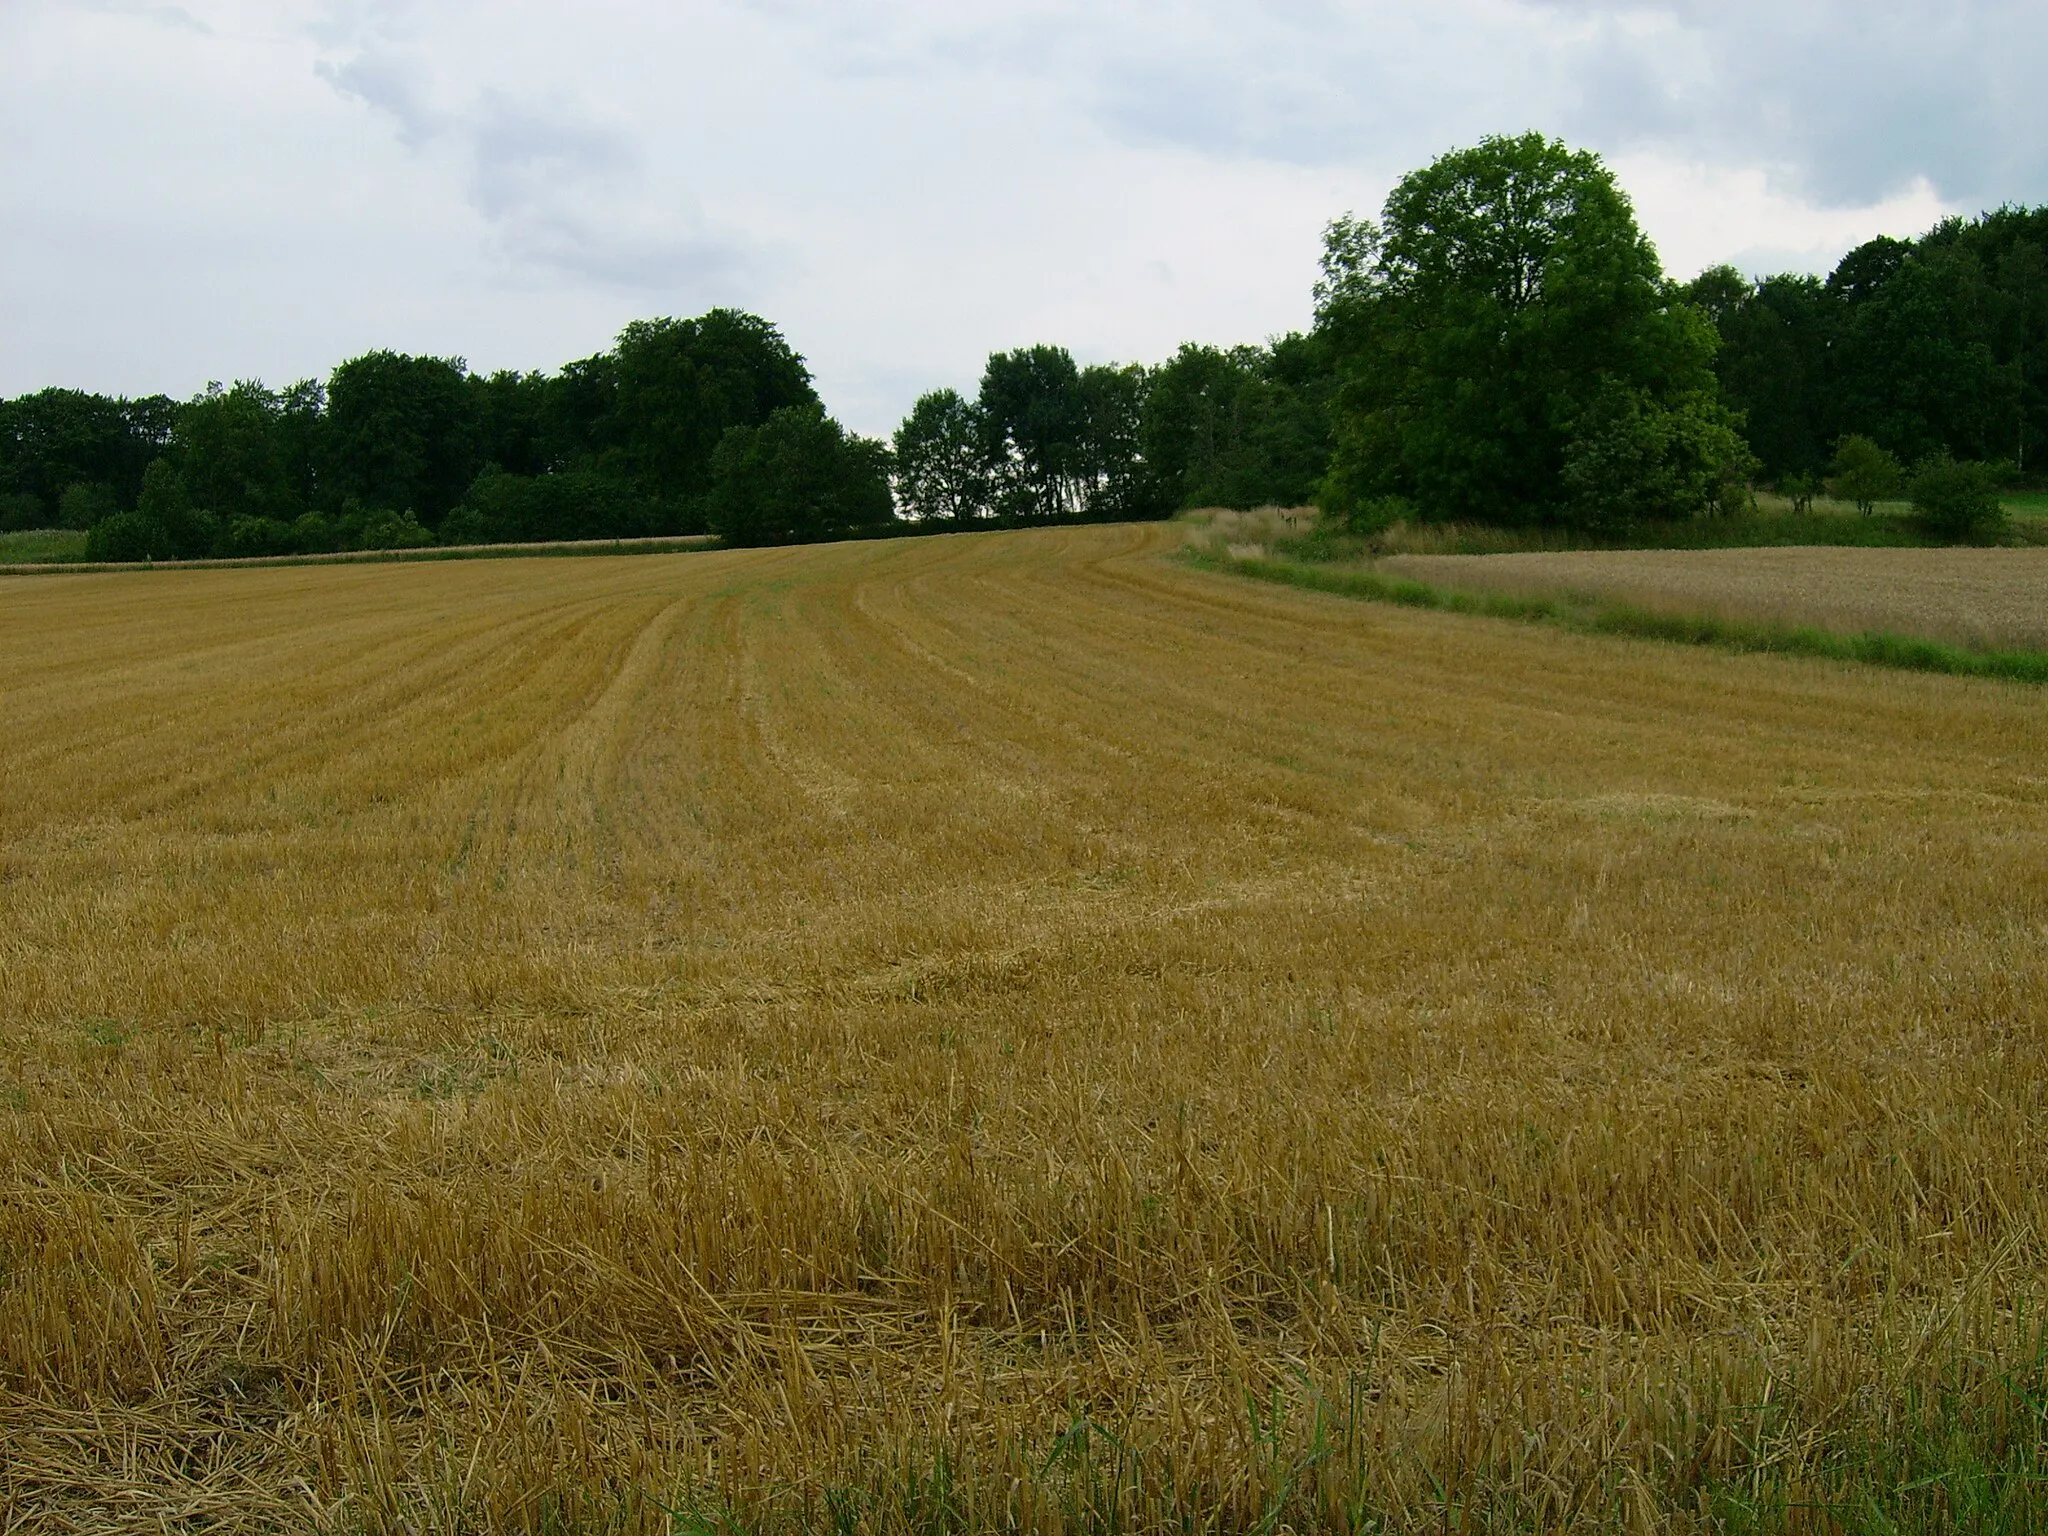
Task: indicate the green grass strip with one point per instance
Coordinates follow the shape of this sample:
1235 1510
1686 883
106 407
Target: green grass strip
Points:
559 549
1875 647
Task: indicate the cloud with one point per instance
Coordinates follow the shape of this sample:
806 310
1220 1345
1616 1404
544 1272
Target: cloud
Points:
904 185
556 186
1843 101
175 16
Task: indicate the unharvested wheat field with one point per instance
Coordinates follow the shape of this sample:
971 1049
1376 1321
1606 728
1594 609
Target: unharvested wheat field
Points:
1995 598
997 1031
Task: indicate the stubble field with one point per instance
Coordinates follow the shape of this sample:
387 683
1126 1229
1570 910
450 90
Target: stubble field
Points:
999 1031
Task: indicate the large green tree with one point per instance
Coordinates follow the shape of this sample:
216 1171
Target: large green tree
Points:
402 433
796 478
1509 346
1242 427
941 467
1036 423
678 386
57 439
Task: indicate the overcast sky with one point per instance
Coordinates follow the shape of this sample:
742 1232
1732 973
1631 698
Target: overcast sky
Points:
223 190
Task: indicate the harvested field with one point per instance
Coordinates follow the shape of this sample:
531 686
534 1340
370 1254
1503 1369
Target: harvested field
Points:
1989 598
998 1031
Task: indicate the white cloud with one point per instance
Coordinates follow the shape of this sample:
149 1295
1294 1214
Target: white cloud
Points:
237 187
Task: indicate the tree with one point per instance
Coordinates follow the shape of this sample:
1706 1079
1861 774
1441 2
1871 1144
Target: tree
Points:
1243 428
940 468
1864 473
57 438
1959 502
1505 305
84 505
798 477
1036 420
401 433
162 526
1107 470
230 450
678 386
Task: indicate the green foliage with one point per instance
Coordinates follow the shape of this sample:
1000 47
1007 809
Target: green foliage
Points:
58 438
129 536
1060 441
941 472
83 505
504 508
1933 346
401 432
678 386
1035 418
1242 428
1635 459
41 546
1508 347
799 477
230 454
1959 502
1865 473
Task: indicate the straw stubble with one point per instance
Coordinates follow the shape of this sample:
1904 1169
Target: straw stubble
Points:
1004 1029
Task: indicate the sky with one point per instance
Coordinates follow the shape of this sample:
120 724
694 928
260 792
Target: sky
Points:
239 189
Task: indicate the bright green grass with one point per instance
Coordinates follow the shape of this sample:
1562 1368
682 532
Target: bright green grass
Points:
2026 503
41 546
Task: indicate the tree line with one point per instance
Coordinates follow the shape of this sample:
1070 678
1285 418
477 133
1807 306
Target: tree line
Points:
1500 345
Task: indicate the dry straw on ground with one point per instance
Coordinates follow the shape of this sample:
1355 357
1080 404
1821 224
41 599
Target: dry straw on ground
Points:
1994 598
994 1030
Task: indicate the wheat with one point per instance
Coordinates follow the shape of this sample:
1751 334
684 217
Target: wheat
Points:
996 1030
1992 598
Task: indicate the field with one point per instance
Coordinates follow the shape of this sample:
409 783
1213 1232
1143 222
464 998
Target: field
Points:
2027 503
39 546
1001 1031
1992 598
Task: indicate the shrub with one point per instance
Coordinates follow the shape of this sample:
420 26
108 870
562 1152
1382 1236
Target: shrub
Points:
394 530
128 537
249 536
1864 473
1959 502
84 505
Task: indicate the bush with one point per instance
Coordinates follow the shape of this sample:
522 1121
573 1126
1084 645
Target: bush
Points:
244 537
1376 514
504 508
129 537
1864 473
1959 502
799 477
385 529
313 534
20 512
84 505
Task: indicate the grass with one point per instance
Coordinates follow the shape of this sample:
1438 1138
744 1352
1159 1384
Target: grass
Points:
1007 1031
68 558
41 546
2027 504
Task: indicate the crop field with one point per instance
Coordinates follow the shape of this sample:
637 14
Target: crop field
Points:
1994 598
1003 1031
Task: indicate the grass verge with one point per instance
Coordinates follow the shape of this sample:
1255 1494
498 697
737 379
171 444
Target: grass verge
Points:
41 546
1878 648
13 563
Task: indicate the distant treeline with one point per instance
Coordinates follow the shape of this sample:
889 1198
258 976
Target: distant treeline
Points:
1500 346
1927 347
